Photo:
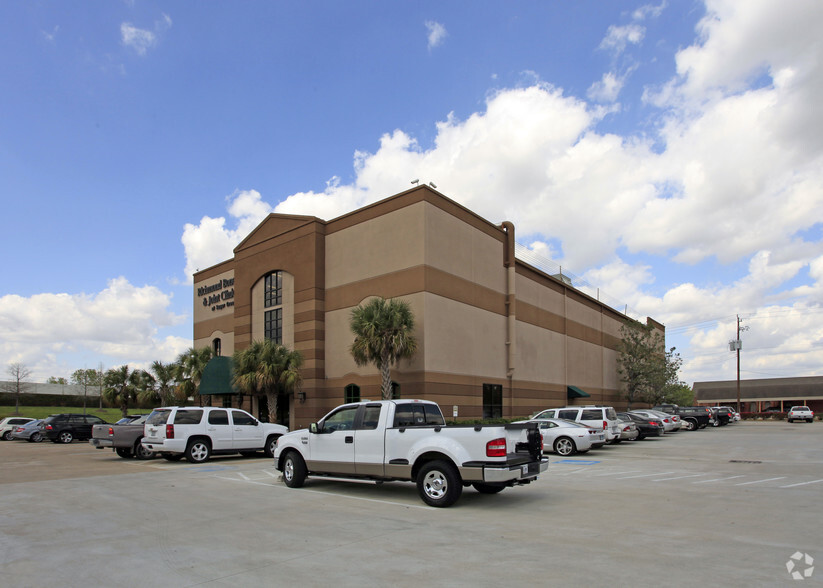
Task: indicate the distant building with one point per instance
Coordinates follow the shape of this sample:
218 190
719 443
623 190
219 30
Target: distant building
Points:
760 395
497 337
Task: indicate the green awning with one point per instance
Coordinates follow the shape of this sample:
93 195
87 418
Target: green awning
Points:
217 377
575 392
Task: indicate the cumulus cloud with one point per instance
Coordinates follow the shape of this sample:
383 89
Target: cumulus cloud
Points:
733 176
437 33
123 322
606 89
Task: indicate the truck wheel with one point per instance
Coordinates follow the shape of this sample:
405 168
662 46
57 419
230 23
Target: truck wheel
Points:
564 446
65 437
123 452
294 470
198 451
691 424
271 443
439 484
487 488
141 452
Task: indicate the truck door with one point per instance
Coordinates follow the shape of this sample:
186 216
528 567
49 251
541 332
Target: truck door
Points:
332 447
369 442
219 429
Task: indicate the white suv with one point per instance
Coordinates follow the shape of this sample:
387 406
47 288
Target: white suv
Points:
196 432
603 417
800 413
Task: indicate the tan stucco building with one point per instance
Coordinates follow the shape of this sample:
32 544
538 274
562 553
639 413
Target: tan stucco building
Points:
496 336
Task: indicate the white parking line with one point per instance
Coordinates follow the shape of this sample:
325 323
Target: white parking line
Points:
716 480
759 481
802 484
679 477
272 474
242 475
646 475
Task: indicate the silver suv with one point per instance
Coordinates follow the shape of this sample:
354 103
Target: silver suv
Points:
604 417
196 433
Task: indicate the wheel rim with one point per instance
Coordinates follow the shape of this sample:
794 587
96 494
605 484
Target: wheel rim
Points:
65 437
564 447
288 470
141 451
7 435
199 451
37 437
435 485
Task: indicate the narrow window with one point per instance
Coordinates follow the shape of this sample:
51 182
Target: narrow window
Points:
351 394
273 325
215 346
273 290
492 401
395 391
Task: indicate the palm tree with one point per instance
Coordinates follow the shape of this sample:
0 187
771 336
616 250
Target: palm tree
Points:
121 387
383 336
165 377
266 367
189 369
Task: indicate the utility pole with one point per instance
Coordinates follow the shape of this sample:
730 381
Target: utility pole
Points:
736 345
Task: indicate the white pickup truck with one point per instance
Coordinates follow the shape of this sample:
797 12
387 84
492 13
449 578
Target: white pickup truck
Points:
408 440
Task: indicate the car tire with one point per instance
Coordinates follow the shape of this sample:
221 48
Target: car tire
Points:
198 451
641 437
141 452
124 452
715 423
271 443
35 438
487 488
294 470
439 484
65 437
564 446
6 435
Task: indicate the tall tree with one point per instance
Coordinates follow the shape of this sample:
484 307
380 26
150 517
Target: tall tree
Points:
122 386
18 385
383 335
190 366
266 367
87 378
639 362
165 378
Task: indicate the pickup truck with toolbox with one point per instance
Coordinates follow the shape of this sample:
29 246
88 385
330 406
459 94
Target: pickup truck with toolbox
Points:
123 437
408 440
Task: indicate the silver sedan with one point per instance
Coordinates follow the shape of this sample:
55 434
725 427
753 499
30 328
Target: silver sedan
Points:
567 437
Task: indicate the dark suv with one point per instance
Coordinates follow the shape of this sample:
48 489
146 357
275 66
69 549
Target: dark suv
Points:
65 428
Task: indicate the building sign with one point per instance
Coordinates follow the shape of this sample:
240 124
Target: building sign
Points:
219 295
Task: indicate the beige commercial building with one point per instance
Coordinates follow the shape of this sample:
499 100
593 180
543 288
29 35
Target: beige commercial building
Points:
496 336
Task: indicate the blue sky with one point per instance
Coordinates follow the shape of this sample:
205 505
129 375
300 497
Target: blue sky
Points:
667 153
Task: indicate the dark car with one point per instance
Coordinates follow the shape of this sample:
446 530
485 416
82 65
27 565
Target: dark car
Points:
645 427
722 415
65 428
693 417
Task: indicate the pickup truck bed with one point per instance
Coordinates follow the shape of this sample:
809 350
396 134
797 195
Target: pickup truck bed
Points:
123 437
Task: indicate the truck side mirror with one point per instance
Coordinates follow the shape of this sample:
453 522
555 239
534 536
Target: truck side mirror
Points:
313 428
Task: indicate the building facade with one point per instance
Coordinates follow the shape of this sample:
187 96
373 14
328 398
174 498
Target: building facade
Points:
496 336
765 394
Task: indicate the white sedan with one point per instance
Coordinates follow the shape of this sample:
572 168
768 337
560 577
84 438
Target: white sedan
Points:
567 437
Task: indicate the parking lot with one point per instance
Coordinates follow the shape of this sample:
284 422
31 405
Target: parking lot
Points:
728 505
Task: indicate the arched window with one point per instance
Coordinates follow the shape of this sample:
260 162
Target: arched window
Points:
273 302
352 393
395 390
215 346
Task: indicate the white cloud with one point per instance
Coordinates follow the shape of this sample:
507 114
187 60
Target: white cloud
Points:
121 322
141 40
437 33
607 89
736 174
618 37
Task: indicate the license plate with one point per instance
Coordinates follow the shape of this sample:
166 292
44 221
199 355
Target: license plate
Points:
524 470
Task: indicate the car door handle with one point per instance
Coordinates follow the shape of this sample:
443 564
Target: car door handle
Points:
349 439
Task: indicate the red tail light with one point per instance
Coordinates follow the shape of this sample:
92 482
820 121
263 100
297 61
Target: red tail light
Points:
494 448
626 428
169 431
111 431
654 423
605 425
665 420
48 427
